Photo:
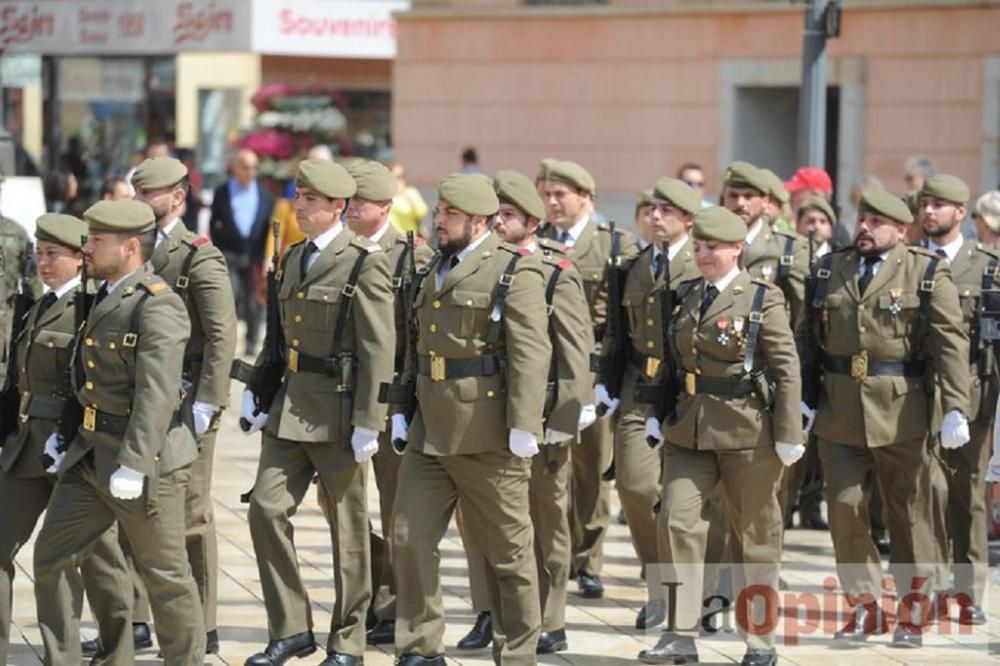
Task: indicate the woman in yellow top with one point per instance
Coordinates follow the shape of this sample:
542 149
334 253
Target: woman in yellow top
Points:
408 207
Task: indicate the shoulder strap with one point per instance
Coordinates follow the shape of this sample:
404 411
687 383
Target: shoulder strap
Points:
397 274
822 281
183 280
753 331
500 300
787 259
131 338
989 273
924 292
550 288
345 308
422 274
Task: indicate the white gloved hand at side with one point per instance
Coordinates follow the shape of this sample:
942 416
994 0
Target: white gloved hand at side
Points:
250 422
954 430
789 453
605 403
555 436
203 413
522 444
810 416
126 484
365 444
52 451
399 433
588 415
654 433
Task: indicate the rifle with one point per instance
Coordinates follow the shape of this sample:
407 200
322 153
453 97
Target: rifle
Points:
612 361
812 355
403 392
264 379
10 396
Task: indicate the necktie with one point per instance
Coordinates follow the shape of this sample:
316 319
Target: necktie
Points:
941 253
306 255
44 304
101 293
658 263
563 237
868 273
711 292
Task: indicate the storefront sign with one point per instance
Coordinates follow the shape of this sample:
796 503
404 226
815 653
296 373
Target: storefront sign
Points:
322 28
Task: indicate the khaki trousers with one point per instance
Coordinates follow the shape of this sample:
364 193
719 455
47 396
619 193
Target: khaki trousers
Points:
493 490
637 479
590 495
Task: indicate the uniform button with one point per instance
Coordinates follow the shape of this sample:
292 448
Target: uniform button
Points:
861 329
649 322
434 328
111 345
295 343
431 352
966 293
89 342
298 318
436 304
861 307
300 295
51 345
156 458
697 371
91 364
650 344
89 386
468 303
490 394
651 300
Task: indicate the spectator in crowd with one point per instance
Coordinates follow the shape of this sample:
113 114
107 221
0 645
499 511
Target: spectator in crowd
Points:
916 169
114 188
134 160
987 217
470 161
61 193
643 221
239 225
408 206
808 182
193 207
694 176
158 147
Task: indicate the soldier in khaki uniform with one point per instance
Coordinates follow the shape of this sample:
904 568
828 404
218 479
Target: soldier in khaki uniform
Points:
736 418
941 209
42 356
570 395
13 261
368 216
130 459
337 328
881 308
483 337
197 272
637 467
567 190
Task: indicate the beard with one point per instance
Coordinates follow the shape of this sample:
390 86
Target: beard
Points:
453 246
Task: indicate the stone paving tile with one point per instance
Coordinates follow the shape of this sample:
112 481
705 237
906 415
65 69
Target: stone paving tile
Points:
600 631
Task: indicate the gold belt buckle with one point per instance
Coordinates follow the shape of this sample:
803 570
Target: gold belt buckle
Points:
652 367
437 368
293 360
23 412
859 365
89 419
690 386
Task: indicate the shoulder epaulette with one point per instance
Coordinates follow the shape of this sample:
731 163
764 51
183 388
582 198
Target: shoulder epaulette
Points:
153 285
366 245
551 245
296 244
524 252
510 247
601 226
788 233
418 241
916 249
764 283
988 251
201 240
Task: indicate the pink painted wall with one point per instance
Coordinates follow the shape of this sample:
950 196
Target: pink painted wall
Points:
632 95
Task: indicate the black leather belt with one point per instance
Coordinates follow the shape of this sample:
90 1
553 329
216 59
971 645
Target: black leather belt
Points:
40 407
860 366
648 366
439 367
97 421
319 365
729 388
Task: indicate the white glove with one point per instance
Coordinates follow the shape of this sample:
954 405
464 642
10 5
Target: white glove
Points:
52 451
126 484
365 444
251 420
522 444
954 430
588 415
203 413
789 453
993 470
555 436
654 433
400 434
810 416
604 400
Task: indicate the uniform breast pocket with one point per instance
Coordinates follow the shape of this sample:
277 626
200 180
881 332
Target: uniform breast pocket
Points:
634 307
322 304
55 348
898 312
474 309
968 299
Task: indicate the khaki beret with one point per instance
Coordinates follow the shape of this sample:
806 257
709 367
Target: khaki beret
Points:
820 204
885 204
157 173
643 199
374 181
744 174
471 193
719 224
678 193
65 230
326 177
517 189
947 187
126 216
569 173
775 187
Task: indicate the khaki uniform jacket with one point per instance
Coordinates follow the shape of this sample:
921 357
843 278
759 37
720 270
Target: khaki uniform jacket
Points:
43 354
967 270
314 407
211 310
156 439
644 316
571 335
762 260
466 415
591 253
883 410
713 346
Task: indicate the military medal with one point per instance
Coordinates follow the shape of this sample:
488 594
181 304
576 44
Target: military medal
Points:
766 271
738 327
723 325
895 295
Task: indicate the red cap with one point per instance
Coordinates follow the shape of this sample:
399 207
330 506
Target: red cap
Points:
810 178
